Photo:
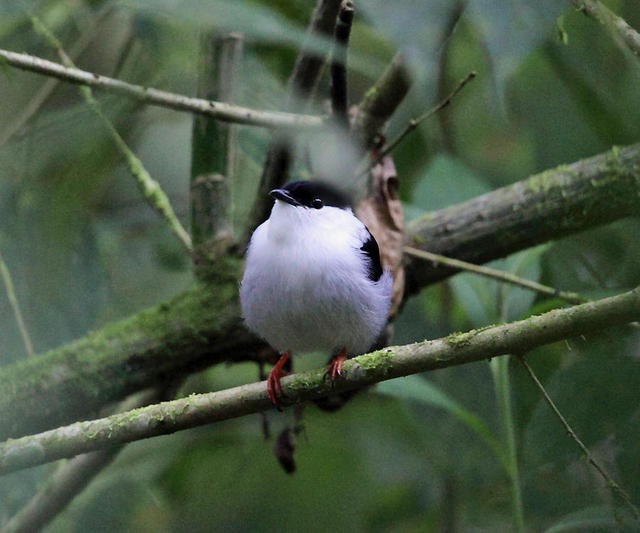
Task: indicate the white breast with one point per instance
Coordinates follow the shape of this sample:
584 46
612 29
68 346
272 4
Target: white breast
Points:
305 287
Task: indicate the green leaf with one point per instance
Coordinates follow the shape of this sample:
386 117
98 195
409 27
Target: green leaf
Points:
445 182
420 390
587 519
489 301
418 28
596 390
510 30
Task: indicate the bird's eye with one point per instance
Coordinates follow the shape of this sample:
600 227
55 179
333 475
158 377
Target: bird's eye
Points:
317 203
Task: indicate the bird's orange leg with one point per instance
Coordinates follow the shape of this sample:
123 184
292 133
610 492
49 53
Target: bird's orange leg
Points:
334 368
274 388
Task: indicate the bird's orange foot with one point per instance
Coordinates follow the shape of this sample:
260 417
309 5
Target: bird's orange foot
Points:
274 388
334 368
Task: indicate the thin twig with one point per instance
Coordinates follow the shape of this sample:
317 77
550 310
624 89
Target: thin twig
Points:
339 94
444 60
612 22
361 371
151 96
15 307
150 188
499 275
608 479
415 122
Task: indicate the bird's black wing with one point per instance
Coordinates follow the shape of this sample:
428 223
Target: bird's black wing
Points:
372 252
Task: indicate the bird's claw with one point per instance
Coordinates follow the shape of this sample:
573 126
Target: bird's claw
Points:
274 387
334 368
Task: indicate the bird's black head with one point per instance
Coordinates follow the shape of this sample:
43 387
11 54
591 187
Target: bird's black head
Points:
311 194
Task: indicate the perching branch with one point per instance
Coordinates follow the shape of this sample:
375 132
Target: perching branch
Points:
544 207
365 370
612 22
151 96
202 326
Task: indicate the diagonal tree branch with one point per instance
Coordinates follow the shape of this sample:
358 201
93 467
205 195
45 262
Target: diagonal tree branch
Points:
612 22
5 274
385 364
196 329
339 92
72 477
301 86
151 96
202 326
544 207
380 102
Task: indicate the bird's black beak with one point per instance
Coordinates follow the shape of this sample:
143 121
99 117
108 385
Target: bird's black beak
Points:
283 194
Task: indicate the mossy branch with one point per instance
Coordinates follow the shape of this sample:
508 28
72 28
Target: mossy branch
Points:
544 207
380 102
202 326
196 329
385 364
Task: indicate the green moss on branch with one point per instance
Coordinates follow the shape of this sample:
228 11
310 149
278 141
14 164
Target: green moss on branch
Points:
388 363
546 206
196 329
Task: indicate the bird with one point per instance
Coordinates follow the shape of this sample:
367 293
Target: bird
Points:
313 280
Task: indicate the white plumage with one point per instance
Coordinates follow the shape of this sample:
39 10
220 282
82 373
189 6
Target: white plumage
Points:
308 283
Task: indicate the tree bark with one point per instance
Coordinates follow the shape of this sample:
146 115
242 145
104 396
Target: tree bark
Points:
198 328
151 96
203 327
388 363
544 207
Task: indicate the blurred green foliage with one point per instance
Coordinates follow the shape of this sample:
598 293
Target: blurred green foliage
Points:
424 453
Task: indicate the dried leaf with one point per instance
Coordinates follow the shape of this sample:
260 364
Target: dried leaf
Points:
381 211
